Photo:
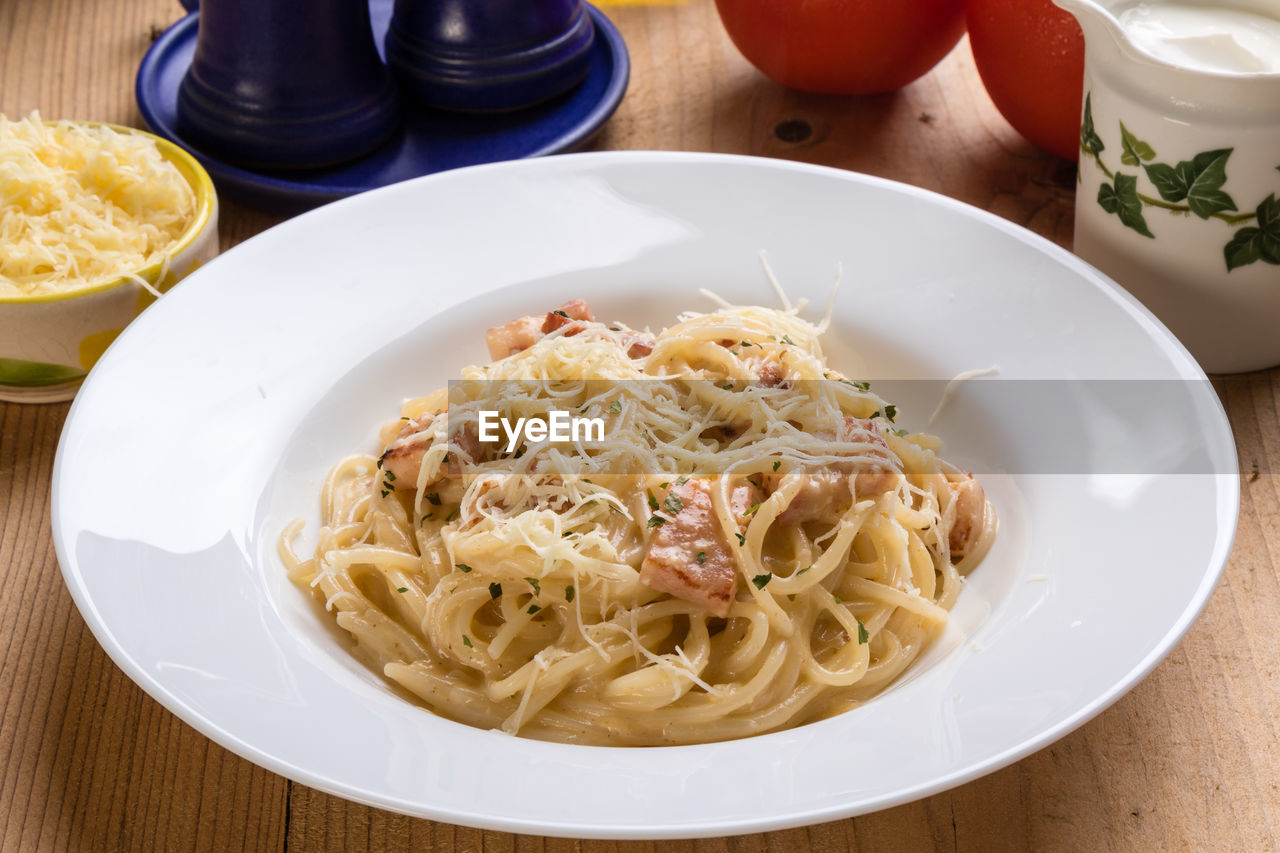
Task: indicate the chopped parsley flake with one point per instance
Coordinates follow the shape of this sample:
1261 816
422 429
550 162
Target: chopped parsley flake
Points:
615 407
777 464
433 498
746 343
495 589
656 521
466 641
838 599
463 567
537 587
403 589
561 313
752 511
802 571
653 503
681 481
890 411
786 339
391 477
861 386
702 557
761 581
385 492
728 386
451 515
673 504
568 593
863 634
900 432
533 608
742 540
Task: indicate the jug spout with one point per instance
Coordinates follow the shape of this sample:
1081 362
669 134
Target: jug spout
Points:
1096 19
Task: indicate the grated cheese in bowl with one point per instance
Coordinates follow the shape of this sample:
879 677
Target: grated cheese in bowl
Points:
81 204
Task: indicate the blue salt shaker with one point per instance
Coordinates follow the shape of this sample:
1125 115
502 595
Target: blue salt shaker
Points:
287 84
489 55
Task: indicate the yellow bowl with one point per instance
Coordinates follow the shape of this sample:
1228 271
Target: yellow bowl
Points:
48 342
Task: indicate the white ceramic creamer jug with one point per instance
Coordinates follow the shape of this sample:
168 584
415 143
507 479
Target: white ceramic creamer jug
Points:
1179 193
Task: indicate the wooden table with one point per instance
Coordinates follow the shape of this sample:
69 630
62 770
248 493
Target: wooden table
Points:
1188 760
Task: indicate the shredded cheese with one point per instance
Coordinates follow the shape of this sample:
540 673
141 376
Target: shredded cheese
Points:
81 204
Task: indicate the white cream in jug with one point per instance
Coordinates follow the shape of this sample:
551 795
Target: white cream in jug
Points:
1205 37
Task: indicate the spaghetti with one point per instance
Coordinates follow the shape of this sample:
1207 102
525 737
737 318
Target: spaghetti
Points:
752 546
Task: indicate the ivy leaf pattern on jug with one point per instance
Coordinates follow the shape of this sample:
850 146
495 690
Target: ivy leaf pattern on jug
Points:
1192 186
1121 198
1090 141
1197 181
1135 150
1261 243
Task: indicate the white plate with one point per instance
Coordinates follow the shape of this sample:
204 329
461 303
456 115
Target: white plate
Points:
212 419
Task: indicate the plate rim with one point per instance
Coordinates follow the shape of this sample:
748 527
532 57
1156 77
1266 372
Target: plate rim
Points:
1227 502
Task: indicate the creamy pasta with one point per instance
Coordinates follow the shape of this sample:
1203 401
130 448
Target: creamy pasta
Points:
752 544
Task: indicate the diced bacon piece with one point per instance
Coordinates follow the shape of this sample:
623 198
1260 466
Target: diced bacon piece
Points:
638 346
742 498
555 321
574 309
516 336
578 309
523 332
403 456
771 376
465 441
874 481
827 493
835 490
821 494
688 555
881 477
970 502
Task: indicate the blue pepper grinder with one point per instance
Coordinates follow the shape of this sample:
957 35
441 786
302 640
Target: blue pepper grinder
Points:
489 55
287 84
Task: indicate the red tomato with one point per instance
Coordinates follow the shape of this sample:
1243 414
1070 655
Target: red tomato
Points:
1030 55
843 47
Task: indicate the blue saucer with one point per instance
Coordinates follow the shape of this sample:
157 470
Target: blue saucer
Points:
428 141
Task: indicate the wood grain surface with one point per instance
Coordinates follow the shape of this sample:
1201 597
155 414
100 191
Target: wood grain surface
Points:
1186 761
